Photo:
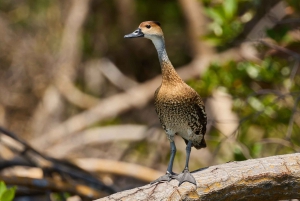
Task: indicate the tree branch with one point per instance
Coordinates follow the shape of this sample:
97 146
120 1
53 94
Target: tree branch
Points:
197 24
271 178
119 168
69 56
98 135
53 185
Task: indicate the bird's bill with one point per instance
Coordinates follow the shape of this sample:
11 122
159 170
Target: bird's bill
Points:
137 33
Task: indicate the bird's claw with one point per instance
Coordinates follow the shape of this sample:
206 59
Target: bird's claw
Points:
165 178
186 176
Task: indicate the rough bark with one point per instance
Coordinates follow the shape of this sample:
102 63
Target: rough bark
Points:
271 178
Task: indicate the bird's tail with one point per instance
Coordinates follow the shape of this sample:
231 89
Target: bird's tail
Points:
202 144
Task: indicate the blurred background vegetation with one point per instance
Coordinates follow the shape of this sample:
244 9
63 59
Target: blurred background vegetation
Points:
73 88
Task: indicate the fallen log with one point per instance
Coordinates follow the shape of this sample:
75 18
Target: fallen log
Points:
270 178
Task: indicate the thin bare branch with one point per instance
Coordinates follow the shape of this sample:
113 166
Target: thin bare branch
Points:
282 142
119 168
197 24
69 56
276 14
115 76
281 49
126 13
53 185
97 136
32 157
48 112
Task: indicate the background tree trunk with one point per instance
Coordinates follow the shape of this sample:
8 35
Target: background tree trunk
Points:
271 178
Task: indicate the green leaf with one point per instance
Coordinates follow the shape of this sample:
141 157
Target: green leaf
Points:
215 15
256 149
230 8
212 39
9 194
278 34
2 188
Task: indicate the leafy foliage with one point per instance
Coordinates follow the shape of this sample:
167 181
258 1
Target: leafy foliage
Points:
263 96
265 92
227 23
5 193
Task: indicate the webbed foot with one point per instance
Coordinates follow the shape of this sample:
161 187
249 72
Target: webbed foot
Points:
165 178
186 176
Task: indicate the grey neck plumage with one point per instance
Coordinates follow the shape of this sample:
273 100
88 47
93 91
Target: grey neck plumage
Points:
159 44
169 74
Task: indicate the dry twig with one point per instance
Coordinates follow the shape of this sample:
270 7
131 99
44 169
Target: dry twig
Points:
53 185
70 54
70 173
118 167
115 76
98 136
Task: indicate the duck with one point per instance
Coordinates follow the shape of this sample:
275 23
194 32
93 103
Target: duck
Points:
180 109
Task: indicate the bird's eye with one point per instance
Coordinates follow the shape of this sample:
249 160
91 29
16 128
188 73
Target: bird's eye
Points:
148 26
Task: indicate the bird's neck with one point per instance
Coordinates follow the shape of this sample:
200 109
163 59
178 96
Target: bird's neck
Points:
169 75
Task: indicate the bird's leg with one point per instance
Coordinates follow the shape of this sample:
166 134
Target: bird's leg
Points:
169 174
173 153
186 176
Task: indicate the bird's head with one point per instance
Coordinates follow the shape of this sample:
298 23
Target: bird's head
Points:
147 29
